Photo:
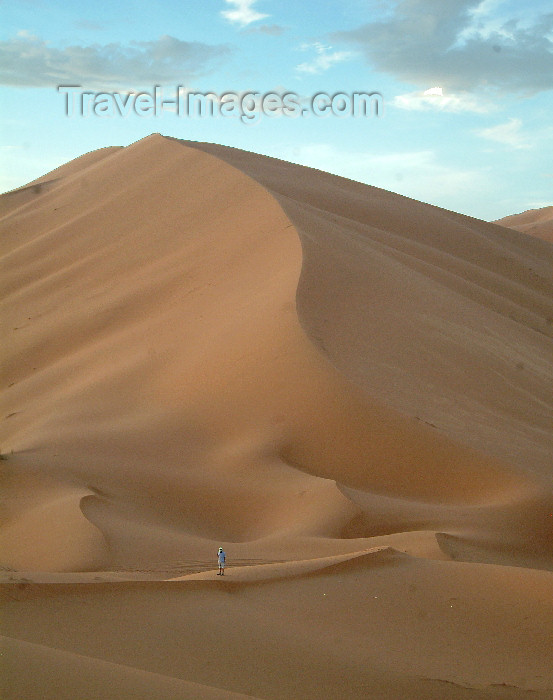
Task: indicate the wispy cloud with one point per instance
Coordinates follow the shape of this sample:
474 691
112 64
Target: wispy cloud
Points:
434 42
28 61
509 134
324 58
243 12
431 99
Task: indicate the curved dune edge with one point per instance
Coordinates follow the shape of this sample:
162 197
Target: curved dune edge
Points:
52 534
512 531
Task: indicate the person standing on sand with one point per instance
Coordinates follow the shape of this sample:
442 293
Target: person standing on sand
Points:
221 556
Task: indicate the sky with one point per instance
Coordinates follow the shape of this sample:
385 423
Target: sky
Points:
458 93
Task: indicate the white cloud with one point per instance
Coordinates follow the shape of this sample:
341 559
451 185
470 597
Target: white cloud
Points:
325 58
243 12
446 43
28 61
509 134
435 99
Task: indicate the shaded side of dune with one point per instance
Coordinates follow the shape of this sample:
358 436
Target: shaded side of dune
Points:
446 317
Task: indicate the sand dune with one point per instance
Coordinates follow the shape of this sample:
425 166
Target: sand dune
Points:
349 390
535 222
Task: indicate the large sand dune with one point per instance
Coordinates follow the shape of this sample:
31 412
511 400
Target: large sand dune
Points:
349 390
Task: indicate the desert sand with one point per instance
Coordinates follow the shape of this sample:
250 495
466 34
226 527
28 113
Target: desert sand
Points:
348 390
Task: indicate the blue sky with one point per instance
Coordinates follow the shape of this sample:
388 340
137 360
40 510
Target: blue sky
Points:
467 87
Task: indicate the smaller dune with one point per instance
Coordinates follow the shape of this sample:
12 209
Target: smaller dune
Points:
306 567
535 222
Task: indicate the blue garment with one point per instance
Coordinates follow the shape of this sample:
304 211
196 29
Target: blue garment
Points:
221 556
